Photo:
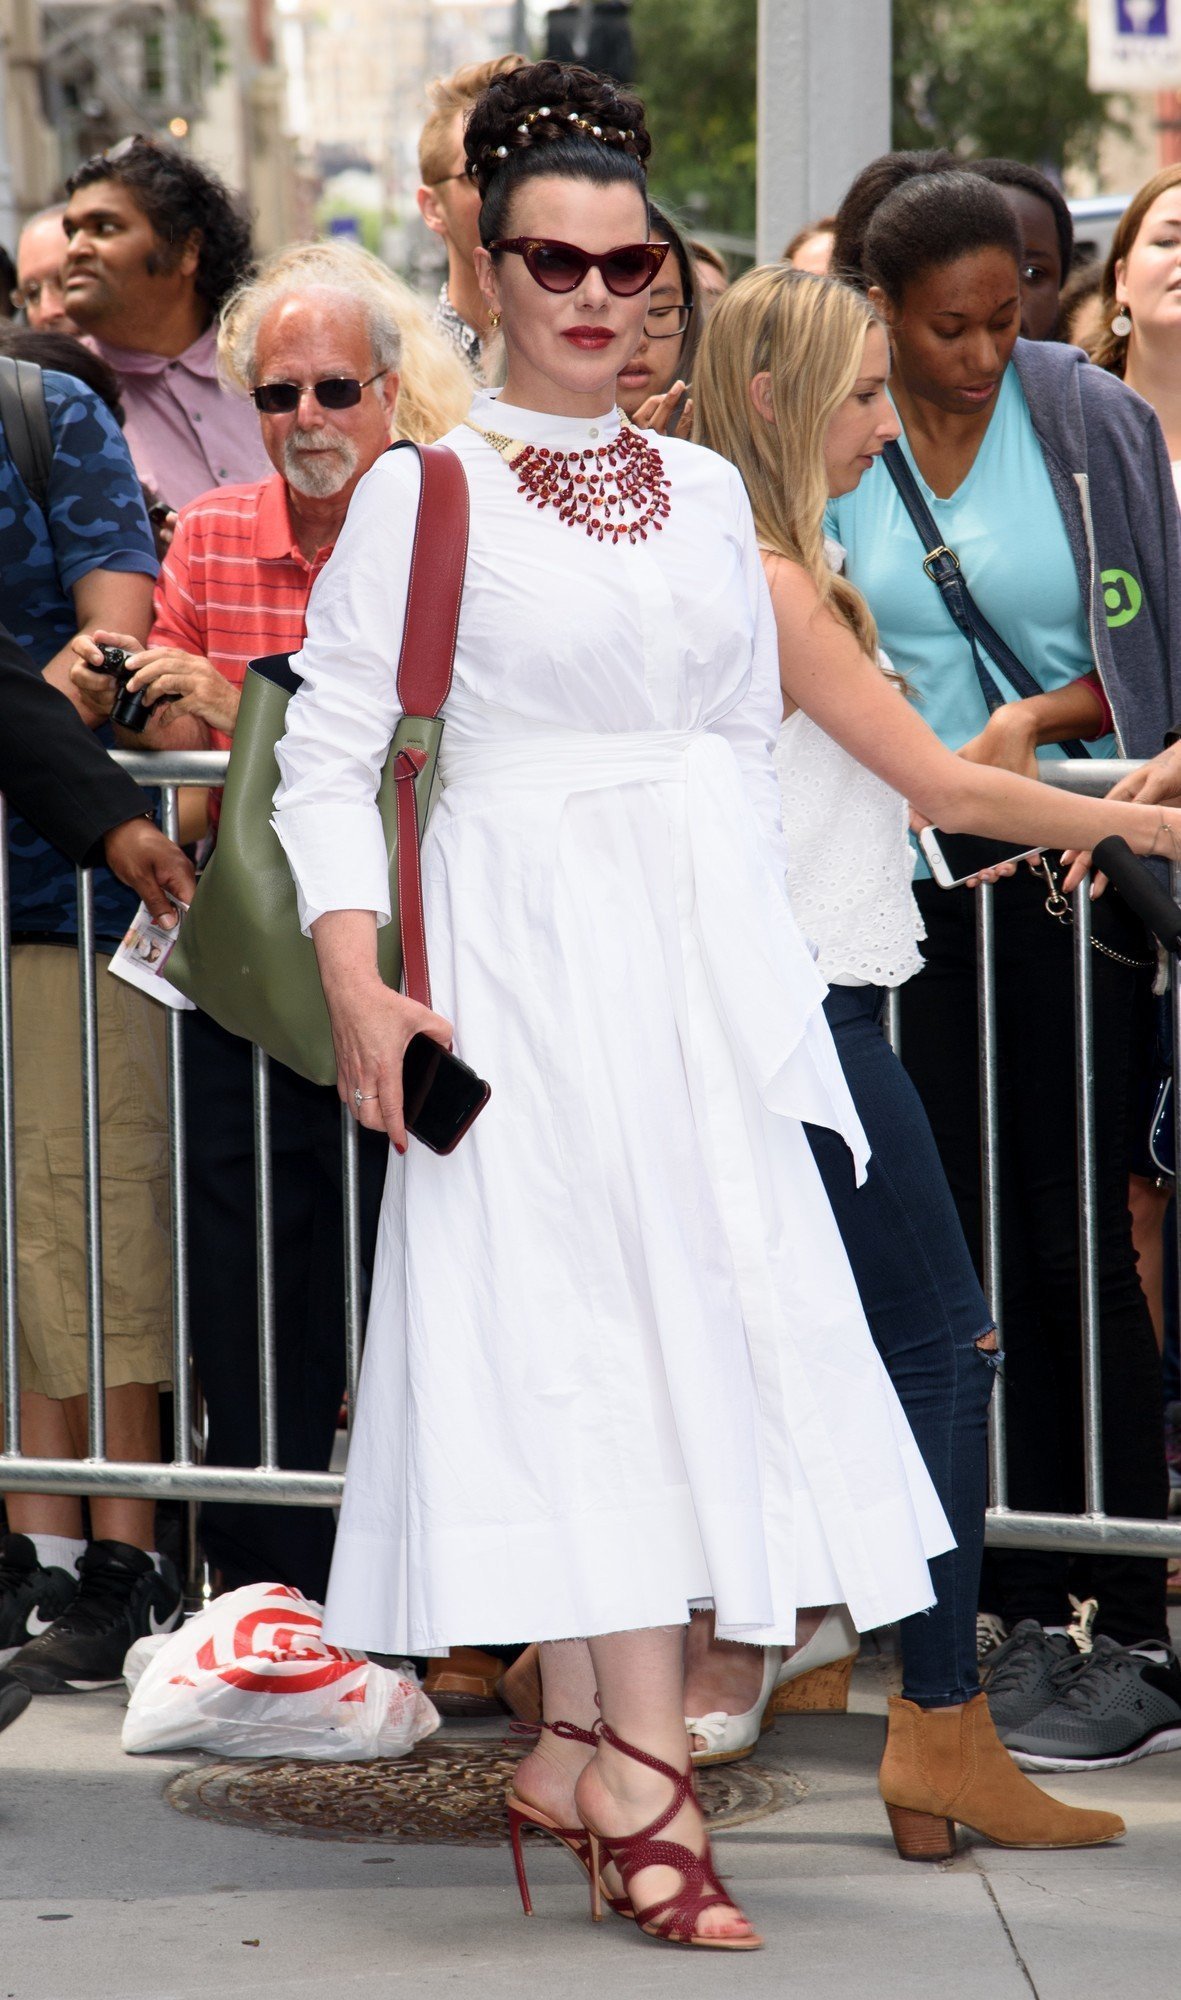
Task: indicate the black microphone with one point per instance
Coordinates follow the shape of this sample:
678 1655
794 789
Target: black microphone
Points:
1140 890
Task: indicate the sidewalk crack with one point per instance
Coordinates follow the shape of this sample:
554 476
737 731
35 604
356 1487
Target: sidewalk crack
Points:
1004 1924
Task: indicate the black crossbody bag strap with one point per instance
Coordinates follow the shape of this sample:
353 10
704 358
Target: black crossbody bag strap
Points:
26 425
943 567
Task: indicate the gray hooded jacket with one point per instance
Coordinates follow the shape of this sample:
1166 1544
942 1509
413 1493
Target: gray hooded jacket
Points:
1105 454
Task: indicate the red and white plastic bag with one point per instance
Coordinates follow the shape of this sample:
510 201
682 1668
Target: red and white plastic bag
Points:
252 1676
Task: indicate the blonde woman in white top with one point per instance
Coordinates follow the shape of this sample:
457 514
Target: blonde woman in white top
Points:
616 1362
791 386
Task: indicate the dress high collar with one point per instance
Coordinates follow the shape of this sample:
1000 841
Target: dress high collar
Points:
539 427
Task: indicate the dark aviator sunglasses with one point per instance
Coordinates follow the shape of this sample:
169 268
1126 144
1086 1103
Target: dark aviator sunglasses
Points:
561 267
336 392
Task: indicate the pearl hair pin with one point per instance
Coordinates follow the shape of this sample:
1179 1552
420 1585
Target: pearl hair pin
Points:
607 135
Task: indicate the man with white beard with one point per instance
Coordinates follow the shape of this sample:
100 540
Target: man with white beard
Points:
321 365
321 362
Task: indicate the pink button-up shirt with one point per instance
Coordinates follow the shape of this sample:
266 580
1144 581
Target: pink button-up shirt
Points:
186 431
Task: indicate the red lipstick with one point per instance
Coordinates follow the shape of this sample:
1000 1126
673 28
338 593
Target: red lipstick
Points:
592 338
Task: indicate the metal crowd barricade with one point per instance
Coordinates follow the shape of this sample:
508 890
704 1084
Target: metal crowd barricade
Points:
186 1477
1008 1527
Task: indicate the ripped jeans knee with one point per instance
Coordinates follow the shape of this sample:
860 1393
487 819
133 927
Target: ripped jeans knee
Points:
989 1348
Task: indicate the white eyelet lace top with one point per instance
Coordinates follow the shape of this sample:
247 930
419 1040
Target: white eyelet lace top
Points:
851 865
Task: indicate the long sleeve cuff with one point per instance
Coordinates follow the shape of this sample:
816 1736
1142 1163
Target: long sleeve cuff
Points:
337 856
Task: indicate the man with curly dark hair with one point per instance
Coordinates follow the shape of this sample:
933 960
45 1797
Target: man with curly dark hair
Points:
155 244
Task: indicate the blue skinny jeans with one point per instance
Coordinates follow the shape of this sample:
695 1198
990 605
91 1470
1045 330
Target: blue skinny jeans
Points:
926 1313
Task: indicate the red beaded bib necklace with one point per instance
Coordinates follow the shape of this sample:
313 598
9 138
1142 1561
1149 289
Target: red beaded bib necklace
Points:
618 491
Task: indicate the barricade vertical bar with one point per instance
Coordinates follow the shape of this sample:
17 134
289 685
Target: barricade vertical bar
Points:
8 1319
350 1175
1175 1001
1088 1234
96 1415
990 1191
197 1580
182 1387
892 1019
265 1239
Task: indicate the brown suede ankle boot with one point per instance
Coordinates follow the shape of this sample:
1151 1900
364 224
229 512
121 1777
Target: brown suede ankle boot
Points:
945 1765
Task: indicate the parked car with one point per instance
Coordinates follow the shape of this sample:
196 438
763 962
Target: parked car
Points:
1095 218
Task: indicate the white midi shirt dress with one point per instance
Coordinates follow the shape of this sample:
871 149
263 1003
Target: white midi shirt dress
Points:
616 1364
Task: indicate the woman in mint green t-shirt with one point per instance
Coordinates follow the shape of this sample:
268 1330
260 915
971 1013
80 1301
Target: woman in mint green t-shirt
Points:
1043 482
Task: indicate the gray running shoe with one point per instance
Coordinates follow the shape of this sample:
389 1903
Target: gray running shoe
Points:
1116 1706
1021 1676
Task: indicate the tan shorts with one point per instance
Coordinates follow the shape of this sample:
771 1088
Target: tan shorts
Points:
50 1215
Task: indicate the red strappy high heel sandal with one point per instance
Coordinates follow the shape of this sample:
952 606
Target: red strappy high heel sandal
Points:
575 1839
673 1919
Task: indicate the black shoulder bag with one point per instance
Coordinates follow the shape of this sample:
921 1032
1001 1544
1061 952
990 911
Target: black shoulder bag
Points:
26 425
943 567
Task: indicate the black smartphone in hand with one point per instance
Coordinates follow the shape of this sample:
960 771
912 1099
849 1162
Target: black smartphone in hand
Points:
441 1096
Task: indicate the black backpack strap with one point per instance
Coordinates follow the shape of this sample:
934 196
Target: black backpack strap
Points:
26 425
943 567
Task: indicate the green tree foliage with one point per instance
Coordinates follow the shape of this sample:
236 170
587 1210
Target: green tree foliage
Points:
980 76
695 69
997 77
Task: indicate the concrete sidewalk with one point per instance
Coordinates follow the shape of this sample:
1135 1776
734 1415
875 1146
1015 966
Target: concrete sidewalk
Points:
108 1893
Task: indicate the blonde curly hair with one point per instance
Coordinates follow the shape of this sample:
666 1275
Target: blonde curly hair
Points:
435 389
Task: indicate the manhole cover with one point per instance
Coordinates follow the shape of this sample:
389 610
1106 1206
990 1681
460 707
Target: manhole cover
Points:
451 1792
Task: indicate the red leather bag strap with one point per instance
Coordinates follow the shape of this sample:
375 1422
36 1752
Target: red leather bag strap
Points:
416 978
437 564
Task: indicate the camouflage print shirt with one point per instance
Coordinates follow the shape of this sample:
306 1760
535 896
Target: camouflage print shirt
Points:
95 519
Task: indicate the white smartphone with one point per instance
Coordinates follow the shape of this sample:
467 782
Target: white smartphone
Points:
954 858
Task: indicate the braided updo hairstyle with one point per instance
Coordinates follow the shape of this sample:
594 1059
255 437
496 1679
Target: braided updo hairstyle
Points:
552 118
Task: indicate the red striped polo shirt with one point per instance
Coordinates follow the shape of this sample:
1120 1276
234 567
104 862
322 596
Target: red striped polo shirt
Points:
234 585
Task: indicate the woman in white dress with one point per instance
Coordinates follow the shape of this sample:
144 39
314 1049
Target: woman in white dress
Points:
616 1361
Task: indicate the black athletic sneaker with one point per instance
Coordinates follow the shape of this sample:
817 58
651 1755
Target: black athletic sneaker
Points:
31 1596
121 1597
1020 1677
14 1699
1117 1706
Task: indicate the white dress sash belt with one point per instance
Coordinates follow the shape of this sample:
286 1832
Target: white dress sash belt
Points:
764 979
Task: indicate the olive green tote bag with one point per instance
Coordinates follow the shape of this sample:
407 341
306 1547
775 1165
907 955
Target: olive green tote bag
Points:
241 956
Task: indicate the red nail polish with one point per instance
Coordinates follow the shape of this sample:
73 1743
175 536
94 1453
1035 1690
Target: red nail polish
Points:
397 1148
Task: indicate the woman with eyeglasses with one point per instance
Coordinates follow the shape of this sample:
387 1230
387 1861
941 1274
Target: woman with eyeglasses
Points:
652 388
616 1364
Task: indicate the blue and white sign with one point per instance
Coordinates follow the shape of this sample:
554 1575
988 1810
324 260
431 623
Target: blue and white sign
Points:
1134 44
1143 17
